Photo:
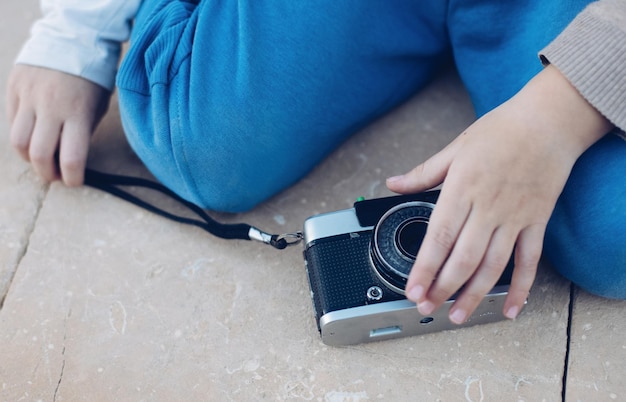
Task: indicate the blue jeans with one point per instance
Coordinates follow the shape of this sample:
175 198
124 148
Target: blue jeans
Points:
228 102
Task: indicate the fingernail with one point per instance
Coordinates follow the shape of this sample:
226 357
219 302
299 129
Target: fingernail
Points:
425 308
458 316
394 179
512 312
415 293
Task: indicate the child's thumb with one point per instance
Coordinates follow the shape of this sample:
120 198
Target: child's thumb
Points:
423 177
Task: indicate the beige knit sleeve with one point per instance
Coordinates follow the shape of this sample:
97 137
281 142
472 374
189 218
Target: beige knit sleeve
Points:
591 53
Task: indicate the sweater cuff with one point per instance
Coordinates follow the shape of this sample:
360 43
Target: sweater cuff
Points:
591 53
95 64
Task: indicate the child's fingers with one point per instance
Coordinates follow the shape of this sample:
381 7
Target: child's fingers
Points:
446 223
22 126
463 258
43 147
425 176
12 105
73 150
527 256
486 276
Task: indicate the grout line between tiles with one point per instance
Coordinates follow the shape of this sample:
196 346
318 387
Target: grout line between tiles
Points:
30 228
568 340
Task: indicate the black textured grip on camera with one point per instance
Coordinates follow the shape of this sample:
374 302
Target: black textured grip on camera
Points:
339 273
110 183
369 212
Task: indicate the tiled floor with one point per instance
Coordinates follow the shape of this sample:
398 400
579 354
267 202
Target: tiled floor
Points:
102 301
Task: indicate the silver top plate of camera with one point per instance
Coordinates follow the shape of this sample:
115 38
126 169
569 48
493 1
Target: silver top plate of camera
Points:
332 224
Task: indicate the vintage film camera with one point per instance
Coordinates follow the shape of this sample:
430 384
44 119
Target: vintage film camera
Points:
358 261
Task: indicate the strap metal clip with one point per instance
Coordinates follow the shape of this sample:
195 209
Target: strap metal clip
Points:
277 241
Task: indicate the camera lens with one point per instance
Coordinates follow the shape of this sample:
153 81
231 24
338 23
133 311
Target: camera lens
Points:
397 239
409 237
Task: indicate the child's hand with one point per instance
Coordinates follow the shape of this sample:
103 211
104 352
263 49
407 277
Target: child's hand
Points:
501 180
52 115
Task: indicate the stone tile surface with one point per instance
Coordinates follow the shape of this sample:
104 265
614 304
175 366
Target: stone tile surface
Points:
107 302
597 362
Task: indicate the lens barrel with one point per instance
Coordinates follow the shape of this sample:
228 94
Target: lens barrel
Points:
397 238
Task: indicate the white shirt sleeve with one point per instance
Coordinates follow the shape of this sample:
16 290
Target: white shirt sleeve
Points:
80 37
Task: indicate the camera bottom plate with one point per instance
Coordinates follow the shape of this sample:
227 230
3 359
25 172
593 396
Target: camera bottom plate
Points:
395 319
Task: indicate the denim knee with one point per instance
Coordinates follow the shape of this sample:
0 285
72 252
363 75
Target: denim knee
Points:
585 237
595 264
228 103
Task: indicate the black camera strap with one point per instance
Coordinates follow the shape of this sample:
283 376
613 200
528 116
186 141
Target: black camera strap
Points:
111 184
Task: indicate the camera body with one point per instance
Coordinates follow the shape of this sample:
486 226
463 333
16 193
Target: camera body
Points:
358 260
